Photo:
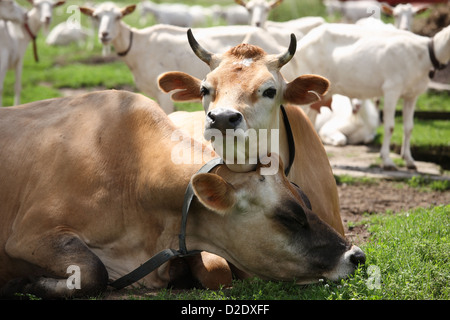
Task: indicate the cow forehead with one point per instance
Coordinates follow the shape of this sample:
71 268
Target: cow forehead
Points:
244 73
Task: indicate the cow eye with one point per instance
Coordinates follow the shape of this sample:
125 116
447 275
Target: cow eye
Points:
270 93
204 91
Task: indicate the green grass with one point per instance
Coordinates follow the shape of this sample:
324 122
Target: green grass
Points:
433 101
408 258
426 183
350 180
426 133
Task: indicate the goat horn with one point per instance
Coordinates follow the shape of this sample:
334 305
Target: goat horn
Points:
285 57
200 52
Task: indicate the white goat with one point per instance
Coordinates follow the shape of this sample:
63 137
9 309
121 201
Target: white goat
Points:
235 15
403 14
300 26
352 11
10 10
167 13
258 10
15 37
175 14
154 50
66 33
348 122
356 121
363 62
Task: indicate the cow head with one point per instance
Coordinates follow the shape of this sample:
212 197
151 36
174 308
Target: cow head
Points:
243 92
261 224
108 16
403 14
258 10
45 8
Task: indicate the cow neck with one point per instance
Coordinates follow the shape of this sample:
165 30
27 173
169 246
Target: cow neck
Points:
124 40
167 254
434 60
124 53
287 133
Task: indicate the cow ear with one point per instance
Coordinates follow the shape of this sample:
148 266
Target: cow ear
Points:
306 89
213 192
189 85
87 11
127 10
240 2
59 3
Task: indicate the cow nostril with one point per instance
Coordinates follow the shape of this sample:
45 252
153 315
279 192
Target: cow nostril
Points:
358 257
235 118
211 116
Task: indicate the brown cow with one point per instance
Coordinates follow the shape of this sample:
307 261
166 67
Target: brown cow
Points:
244 91
89 184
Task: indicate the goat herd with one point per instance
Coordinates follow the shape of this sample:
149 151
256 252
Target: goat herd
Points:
364 59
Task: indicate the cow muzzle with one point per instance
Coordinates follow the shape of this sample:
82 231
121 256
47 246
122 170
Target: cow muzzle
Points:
348 263
357 256
223 119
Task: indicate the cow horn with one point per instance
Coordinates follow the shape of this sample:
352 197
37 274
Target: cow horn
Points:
200 52
285 57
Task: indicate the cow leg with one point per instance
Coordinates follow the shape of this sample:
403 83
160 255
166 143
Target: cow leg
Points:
61 265
210 270
390 101
408 124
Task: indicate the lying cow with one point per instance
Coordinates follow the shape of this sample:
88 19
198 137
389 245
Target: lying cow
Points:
244 90
89 182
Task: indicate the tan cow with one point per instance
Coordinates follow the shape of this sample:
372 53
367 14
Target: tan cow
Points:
243 91
89 184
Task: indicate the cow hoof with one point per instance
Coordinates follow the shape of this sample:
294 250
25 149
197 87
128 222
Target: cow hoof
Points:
389 167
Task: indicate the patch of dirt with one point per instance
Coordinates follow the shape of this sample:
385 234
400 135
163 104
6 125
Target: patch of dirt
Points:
385 192
378 197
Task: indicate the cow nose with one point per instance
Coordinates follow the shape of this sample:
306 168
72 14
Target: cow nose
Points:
223 119
358 256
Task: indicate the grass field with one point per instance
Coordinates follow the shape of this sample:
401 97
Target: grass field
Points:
408 254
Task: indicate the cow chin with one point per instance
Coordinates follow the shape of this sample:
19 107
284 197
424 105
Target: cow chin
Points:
302 274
